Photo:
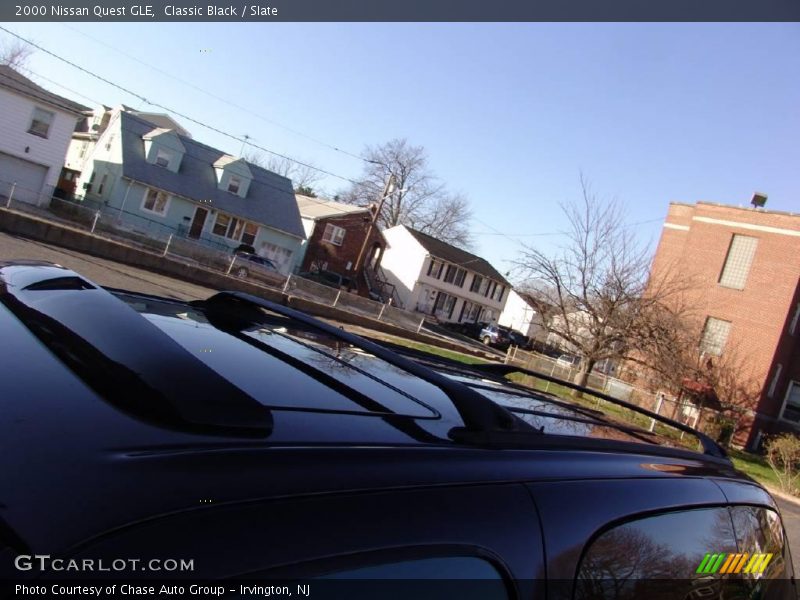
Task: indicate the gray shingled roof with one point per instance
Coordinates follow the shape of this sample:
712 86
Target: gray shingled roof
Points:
15 81
457 256
270 199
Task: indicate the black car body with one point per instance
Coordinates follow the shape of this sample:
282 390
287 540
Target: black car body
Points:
328 278
264 445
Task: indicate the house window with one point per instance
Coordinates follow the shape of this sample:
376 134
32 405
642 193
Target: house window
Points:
476 283
737 263
162 158
234 183
102 184
490 289
333 234
715 334
435 268
498 293
250 232
221 224
40 122
154 201
461 275
449 274
791 408
84 147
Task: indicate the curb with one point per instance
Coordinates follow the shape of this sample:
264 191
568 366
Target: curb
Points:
783 495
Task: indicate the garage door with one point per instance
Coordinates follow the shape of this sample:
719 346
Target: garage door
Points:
28 176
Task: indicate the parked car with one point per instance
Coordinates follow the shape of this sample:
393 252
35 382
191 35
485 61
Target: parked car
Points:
264 445
253 266
493 335
519 339
568 361
328 278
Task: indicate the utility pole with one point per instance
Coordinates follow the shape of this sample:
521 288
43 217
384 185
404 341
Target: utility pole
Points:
388 190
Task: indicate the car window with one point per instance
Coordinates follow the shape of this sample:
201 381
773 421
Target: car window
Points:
760 536
658 557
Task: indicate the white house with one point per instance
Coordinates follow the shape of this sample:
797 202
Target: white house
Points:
35 131
436 278
520 315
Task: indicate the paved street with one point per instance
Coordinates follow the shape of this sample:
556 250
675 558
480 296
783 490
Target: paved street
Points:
791 520
104 272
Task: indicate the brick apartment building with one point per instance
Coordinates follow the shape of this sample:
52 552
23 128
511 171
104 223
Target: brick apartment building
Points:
745 264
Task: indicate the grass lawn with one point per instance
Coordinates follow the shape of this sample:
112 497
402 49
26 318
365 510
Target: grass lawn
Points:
755 466
451 354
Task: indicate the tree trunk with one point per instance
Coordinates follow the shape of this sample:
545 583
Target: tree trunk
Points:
582 376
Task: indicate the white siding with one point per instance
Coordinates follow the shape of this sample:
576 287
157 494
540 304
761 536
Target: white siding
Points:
15 119
517 314
402 263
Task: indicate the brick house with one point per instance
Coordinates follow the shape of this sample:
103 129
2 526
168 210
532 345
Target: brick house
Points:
745 267
335 234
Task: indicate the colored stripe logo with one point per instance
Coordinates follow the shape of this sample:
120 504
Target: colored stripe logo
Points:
734 563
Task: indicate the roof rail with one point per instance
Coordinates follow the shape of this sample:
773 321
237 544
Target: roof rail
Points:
129 361
709 446
484 420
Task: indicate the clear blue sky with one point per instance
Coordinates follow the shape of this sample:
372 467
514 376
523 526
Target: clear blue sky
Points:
510 114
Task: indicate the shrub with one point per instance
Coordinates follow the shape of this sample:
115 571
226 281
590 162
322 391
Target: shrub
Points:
783 455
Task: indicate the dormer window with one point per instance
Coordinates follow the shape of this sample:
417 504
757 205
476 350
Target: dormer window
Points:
234 183
162 158
233 175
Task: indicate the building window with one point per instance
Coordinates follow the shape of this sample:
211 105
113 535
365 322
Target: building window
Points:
162 158
221 224
776 377
102 184
234 229
461 275
84 147
234 183
737 263
715 334
333 234
490 289
791 408
795 318
498 295
40 122
476 283
435 268
155 202
250 232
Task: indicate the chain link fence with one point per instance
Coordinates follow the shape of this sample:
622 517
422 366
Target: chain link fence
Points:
659 402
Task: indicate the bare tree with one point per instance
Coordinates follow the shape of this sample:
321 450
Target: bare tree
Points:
421 201
304 176
595 286
15 54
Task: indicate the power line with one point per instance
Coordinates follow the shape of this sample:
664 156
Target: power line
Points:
175 112
216 97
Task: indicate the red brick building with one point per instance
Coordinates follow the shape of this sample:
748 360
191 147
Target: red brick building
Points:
745 266
336 233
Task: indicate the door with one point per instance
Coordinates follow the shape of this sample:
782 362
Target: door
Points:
199 220
28 176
